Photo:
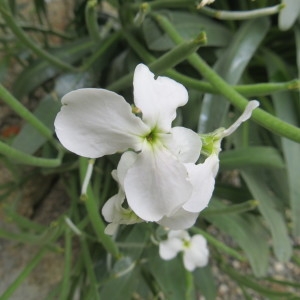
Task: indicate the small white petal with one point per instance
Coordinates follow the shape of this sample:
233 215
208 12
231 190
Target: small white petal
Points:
180 234
244 117
97 122
158 98
111 228
111 210
184 143
169 248
156 185
196 255
126 161
181 219
202 177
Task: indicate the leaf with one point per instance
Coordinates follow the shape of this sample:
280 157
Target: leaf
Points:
40 71
273 217
188 25
251 156
204 281
29 139
169 275
126 272
231 65
286 109
248 232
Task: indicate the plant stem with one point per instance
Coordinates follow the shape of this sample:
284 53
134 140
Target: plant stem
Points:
24 274
259 89
91 20
21 35
241 15
260 116
93 213
23 158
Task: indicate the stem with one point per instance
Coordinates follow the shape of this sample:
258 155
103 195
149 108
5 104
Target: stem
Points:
259 89
89 268
44 30
21 35
260 116
23 112
232 209
241 15
65 286
21 157
166 61
24 274
93 213
91 20
105 46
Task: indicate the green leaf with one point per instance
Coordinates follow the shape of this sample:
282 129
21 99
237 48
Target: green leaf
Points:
29 139
188 26
170 276
273 217
251 156
40 71
286 109
248 232
230 66
204 281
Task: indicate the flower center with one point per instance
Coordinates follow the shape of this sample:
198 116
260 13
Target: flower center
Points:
152 137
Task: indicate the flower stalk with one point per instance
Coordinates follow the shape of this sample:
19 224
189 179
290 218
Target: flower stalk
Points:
263 118
21 35
93 213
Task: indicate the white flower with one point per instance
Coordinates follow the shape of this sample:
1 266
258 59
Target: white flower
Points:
157 173
161 179
195 250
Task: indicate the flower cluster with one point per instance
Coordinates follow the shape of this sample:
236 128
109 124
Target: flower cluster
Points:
195 251
158 175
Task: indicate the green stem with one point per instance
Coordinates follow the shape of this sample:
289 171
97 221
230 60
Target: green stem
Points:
166 61
260 116
248 90
241 15
23 275
94 215
65 286
106 45
91 20
23 112
44 30
232 209
89 269
23 158
159 4
21 35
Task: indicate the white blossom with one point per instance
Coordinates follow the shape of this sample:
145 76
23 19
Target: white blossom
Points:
195 250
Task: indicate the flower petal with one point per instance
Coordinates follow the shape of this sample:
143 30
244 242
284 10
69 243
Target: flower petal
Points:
182 219
196 254
156 185
202 177
158 98
111 210
184 143
97 122
244 117
169 248
127 160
